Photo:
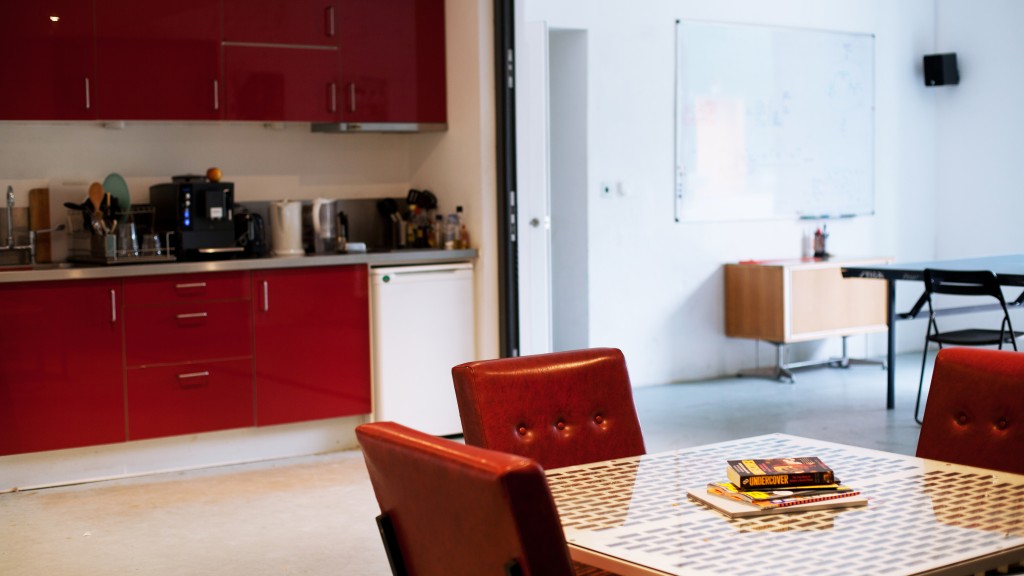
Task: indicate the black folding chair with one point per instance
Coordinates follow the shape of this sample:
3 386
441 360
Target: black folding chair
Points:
963 283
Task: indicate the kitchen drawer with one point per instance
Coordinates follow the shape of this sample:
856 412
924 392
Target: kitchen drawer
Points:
189 398
188 332
186 288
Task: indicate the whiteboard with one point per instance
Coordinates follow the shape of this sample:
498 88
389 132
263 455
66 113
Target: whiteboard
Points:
772 122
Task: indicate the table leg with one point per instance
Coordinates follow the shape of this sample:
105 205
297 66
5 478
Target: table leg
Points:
890 398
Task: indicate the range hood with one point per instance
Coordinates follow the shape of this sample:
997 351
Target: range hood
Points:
398 127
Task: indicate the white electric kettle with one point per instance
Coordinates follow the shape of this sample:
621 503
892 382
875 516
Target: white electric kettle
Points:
286 228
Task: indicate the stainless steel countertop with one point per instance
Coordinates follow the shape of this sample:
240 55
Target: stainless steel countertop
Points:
49 272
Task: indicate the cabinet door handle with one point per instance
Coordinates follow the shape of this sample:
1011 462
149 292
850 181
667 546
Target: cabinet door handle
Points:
191 315
190 286
192 379
113 306
88 100
329 21
352 97
266 296
332 97
216 94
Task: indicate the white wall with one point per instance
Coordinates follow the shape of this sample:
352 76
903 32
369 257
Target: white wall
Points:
655 287
980 124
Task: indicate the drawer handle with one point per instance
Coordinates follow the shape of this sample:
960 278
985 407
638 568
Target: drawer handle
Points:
190 286
193 379
191 315
329 21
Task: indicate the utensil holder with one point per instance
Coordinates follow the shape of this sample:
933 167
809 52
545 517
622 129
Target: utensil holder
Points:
86 246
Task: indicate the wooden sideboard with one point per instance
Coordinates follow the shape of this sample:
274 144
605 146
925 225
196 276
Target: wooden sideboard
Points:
787 301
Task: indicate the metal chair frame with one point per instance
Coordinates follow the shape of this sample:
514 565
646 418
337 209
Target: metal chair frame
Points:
962 283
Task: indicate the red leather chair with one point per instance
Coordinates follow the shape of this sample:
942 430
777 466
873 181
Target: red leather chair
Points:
450 509
975 410
560 409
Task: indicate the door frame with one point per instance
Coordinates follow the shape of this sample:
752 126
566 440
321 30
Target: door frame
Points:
505 120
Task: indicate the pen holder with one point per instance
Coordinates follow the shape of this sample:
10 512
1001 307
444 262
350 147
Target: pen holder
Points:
819 244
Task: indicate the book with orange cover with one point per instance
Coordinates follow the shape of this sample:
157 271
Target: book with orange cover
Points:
781 500
729 489
778 473
740 509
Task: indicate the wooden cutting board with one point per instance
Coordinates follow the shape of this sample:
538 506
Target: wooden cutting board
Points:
39 219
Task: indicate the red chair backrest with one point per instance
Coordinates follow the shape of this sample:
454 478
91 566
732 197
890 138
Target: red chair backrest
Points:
975 410
462 510
560 409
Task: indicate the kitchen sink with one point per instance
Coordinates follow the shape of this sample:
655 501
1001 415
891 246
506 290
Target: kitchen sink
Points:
15 257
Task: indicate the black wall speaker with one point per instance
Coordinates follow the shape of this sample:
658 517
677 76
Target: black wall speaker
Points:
941 69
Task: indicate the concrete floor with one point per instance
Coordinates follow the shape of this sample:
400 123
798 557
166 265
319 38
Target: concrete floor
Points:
315 515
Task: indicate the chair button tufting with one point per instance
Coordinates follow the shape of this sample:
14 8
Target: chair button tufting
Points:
1002 424
560 425
522 430
599 419
962 418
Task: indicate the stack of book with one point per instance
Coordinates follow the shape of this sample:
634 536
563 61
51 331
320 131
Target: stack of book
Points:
770 486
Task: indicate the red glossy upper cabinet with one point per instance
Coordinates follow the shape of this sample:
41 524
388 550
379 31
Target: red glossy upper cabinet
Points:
158 60
280 84
393 61
47 52
289 22
281 60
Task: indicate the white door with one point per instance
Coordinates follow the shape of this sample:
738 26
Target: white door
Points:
534 195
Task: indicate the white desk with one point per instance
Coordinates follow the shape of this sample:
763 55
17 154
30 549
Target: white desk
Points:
632 516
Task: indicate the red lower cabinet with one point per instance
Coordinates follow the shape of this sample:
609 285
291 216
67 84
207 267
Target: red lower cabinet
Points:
61 371
90 362
312 343
188 352
189 398
188 332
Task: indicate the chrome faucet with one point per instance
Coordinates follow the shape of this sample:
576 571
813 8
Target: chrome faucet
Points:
10 216
30 248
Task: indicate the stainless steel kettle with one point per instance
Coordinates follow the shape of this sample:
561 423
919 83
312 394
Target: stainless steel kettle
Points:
320 226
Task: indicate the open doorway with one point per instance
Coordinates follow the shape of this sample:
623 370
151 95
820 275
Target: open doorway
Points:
552 211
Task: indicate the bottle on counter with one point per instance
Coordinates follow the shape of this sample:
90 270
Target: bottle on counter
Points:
451 231
410 226
463 241
437 232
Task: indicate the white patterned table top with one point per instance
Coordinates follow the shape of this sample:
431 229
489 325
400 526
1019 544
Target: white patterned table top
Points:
632 515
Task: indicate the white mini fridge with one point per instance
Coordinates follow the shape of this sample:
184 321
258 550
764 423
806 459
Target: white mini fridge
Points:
423 325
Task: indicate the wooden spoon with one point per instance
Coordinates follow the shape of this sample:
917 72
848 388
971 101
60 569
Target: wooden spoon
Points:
96 197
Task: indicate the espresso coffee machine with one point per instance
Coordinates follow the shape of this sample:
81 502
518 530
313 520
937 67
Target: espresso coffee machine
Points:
199 213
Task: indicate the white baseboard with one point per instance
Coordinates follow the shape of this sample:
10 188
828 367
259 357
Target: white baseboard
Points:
161 455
